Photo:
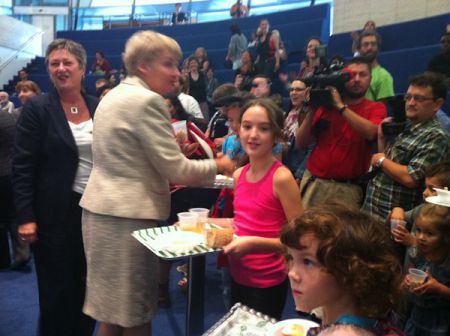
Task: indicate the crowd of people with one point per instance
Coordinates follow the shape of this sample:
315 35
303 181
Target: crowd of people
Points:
315 186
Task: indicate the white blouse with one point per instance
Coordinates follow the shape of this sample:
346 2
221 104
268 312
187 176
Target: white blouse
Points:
83 138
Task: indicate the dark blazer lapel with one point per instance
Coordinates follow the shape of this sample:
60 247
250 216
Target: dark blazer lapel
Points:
59 118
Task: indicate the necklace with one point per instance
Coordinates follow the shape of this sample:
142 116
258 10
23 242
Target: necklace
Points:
74 110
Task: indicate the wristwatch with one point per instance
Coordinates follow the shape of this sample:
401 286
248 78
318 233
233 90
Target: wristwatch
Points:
342 109
380 162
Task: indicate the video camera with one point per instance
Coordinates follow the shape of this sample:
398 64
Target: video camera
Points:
396 109
332 75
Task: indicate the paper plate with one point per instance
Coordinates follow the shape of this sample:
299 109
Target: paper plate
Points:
437 200
276 329
180 241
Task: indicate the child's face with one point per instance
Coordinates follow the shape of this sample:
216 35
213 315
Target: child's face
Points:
430 183
429 239
312 286
233 118
256 132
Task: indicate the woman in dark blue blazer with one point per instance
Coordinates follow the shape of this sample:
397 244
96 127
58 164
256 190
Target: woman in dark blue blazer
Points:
51 165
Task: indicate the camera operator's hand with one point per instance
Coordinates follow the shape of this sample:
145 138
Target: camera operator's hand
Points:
337 99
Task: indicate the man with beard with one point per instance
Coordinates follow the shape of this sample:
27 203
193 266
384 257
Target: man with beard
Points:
344 136
382 84
400 166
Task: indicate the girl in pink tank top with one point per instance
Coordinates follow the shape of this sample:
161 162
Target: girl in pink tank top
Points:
266 196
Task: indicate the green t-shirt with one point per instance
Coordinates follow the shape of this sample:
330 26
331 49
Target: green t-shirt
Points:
381 85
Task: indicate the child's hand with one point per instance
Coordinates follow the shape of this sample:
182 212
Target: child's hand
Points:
239 246
401 235
429 286
398 213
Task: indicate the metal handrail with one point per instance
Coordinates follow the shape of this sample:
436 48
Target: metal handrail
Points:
19 50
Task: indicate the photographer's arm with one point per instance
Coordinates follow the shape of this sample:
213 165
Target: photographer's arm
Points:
397 171
366 128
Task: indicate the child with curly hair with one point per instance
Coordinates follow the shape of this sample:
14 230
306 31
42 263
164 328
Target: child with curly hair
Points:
342 260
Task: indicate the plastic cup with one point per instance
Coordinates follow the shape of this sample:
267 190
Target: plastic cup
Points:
202 218
416 277
188 221
397 222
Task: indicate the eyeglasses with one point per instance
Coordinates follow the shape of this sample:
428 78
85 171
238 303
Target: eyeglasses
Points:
417 98
367 44
296 89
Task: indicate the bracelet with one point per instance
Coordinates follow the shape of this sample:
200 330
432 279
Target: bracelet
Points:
342 109
380 162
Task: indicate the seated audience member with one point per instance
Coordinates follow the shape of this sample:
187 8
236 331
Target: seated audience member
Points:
178 17
344 134
400 166
190 105
237 45
293 157
436 176
430 313
212 83
261 88
25 90
202 57
197 86
100 85
178 113
23 75
441 63
238 10
5 104
343 261
312 60
245 73
101 65
369 26
223 97
382 84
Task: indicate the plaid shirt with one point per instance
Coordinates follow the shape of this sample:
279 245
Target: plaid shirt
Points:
417 147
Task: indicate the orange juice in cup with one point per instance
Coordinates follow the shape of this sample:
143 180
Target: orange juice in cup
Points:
188 221
202 217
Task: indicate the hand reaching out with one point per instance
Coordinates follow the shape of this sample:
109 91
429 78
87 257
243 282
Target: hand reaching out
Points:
239 246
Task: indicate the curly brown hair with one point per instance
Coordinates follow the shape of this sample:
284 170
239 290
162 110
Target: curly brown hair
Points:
357 250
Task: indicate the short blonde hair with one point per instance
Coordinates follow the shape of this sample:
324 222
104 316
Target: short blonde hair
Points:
147 45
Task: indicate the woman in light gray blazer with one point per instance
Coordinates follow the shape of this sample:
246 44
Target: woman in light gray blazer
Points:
135 158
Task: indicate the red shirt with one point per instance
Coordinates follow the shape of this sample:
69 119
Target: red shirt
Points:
341 152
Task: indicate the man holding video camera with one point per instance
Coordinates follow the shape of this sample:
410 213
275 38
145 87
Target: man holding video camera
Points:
400 166
345 132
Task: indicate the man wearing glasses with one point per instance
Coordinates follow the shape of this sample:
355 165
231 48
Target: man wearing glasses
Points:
382 84
400 166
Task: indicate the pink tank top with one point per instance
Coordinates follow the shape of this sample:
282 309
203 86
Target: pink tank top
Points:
257 212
